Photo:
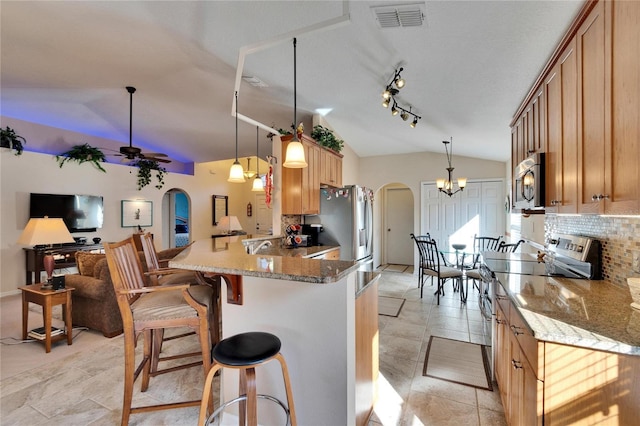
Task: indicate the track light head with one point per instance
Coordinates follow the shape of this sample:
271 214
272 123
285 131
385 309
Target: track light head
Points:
385 103
404 115
414 122
394 110
399 82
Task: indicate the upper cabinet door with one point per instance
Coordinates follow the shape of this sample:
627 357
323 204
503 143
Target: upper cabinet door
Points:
622 154
593 94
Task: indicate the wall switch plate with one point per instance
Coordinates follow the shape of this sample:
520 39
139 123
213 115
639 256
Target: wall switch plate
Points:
635 265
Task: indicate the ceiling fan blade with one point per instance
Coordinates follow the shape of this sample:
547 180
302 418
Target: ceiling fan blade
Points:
159 160
154 154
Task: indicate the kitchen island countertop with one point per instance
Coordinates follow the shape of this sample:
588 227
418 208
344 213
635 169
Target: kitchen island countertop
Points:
205 256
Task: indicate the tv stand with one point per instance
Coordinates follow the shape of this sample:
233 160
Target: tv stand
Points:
34 258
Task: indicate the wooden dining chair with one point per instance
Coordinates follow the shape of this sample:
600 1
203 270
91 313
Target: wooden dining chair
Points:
148 311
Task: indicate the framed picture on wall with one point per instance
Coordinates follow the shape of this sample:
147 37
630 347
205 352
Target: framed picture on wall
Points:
137 213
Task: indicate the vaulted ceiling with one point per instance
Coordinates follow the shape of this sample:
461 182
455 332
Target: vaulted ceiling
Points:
467 67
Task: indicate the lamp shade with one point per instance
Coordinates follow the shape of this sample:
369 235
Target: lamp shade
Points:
45 231
257 184
236 173
230 223
294 158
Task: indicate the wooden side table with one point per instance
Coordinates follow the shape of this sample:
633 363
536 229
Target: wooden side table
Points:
47 299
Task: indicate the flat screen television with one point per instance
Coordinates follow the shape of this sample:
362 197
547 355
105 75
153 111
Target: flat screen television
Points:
81 213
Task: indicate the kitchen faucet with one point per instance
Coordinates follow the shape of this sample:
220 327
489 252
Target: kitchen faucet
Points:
253 249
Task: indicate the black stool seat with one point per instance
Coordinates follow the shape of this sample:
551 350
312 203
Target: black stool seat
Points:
246 348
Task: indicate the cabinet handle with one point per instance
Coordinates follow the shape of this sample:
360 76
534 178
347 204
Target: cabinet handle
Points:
516 364
599 197
499 297
498 321
555 202
516 330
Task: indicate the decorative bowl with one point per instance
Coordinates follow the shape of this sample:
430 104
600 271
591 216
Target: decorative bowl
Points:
459 246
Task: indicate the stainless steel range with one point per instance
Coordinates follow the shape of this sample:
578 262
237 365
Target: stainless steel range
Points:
565 256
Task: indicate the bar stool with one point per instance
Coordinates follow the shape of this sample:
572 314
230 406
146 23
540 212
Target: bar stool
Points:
245 352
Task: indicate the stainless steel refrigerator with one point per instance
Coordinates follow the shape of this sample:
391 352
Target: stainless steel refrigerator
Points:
346 214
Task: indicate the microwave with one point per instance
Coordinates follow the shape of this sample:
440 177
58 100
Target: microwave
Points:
529 183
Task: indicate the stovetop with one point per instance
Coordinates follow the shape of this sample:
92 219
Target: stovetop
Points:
566 256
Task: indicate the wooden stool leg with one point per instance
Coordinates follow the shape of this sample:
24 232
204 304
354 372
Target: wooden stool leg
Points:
252 397
148 354
129 371
206 405
287 387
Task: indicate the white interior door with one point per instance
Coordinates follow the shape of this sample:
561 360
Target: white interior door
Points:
398 226
264 215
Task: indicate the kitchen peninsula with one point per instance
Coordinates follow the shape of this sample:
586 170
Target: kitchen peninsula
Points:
323 311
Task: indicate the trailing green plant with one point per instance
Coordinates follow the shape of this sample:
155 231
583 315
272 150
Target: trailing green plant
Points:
9 139
326 138
82 154
145 168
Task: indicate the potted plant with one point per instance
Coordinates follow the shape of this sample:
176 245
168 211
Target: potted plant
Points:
326 138
145 167
82 154
9 139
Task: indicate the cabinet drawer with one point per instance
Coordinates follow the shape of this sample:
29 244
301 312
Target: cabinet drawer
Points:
503 300
524 336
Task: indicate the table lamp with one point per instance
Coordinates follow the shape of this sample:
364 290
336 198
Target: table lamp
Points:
44 232
229 224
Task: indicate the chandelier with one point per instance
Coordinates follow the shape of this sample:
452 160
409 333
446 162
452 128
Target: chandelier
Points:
446 185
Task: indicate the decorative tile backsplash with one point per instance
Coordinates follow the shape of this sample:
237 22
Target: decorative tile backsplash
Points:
619 237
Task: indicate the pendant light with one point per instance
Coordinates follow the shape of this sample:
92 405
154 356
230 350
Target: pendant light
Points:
294 158
236 173
257 182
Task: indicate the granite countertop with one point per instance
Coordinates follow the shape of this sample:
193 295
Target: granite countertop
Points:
587 313
311 251
206 256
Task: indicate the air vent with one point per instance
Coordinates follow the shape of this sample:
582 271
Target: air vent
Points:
405 15
254 81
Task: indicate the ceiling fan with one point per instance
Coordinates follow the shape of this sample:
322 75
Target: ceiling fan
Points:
131 152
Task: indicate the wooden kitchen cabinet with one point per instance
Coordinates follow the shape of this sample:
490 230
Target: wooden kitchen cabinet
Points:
517 376
330 168
589 120
608 126
367 357
301 187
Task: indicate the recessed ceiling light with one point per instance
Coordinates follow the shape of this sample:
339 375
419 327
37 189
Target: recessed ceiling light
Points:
323 111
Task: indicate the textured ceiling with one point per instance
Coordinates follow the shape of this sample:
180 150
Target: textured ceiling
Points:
66 65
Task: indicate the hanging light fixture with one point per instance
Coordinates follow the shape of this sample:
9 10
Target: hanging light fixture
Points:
249 173
257 182
294 158
236 173
446 185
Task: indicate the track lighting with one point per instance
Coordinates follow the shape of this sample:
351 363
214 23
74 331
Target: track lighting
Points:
388 98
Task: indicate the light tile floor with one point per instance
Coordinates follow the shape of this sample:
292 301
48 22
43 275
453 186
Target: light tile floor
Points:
407 397
85 387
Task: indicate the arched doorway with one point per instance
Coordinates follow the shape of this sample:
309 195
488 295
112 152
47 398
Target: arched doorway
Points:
176 228
396 224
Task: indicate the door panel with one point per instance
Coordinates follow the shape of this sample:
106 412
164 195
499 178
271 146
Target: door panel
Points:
399 224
